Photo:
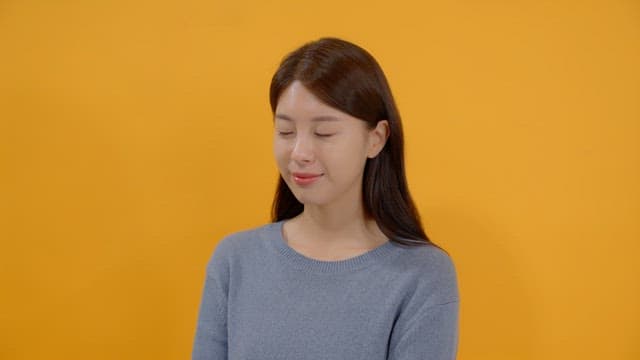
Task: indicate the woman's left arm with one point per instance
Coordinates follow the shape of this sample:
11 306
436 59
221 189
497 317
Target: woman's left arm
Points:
427 326
432 334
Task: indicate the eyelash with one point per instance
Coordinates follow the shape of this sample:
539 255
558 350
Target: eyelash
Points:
285 133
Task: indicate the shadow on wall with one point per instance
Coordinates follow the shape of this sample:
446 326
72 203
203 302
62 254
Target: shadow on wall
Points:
496 311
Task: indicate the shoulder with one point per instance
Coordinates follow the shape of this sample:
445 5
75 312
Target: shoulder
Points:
244 238
242 242
429 271
427 258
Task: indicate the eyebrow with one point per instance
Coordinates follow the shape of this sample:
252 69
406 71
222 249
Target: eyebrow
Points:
315 118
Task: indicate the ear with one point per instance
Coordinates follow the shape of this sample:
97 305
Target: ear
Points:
378 138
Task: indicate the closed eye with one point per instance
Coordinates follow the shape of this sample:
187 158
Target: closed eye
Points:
285 133
324 135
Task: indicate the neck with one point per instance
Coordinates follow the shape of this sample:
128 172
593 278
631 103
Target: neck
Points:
340 226
333 219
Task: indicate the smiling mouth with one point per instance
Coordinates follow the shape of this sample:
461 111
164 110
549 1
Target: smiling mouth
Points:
305 179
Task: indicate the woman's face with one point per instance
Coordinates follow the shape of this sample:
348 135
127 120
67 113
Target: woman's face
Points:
321 151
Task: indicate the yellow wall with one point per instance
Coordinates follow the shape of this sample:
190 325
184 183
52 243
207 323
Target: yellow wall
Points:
135 134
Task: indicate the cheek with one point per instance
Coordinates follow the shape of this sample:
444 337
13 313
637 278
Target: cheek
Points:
349 159
281 153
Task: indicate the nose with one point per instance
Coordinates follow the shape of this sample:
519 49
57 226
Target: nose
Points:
302 151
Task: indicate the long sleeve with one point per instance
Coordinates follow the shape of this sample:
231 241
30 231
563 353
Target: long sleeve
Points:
430 335
210 341
427 327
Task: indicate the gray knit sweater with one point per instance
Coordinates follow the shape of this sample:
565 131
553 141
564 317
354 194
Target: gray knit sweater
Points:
263 300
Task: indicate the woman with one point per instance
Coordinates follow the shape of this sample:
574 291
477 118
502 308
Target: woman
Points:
345 270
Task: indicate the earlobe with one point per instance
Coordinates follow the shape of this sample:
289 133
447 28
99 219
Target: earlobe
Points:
378 138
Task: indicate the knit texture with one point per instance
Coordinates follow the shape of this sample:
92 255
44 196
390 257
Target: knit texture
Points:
263 300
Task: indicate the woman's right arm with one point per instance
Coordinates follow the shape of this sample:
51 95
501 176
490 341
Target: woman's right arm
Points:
210 341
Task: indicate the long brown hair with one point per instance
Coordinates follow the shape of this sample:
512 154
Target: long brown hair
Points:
346 77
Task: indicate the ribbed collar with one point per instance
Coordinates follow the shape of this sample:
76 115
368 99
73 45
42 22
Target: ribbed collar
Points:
273 234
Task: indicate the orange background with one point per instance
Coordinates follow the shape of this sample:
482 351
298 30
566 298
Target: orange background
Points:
135 134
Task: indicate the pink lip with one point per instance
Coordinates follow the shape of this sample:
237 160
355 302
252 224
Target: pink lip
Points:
305 178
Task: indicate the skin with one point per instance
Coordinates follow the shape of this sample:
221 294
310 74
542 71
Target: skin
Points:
312 137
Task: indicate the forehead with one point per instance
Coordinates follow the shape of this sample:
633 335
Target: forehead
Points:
298 103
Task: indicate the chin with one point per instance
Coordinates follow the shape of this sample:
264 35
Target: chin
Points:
306 200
